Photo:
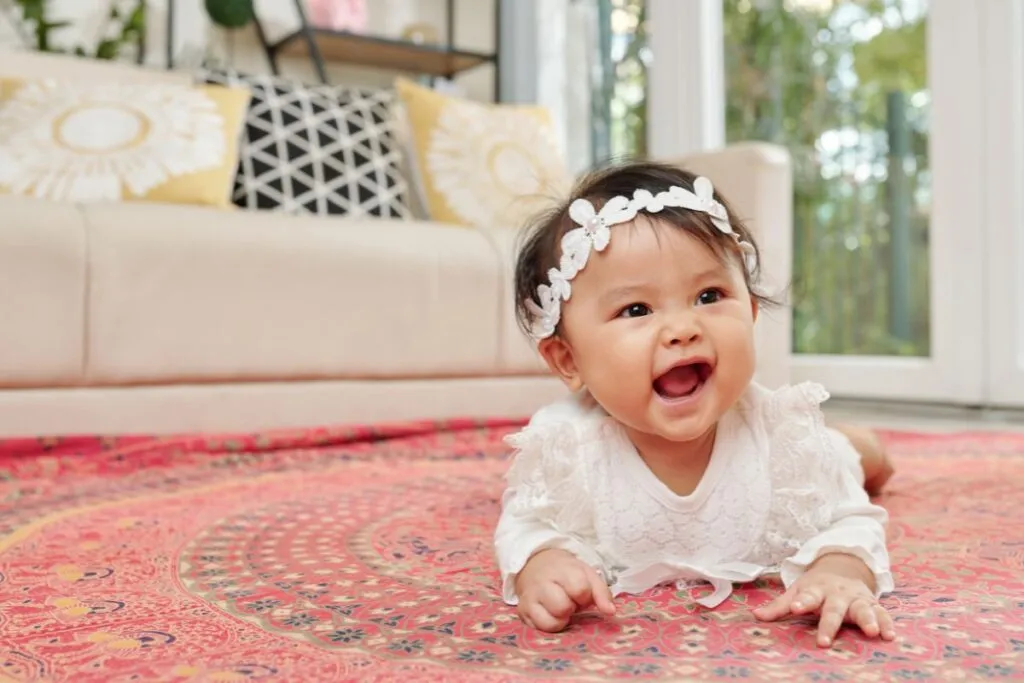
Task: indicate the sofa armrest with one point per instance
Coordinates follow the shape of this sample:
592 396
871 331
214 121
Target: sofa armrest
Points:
757 179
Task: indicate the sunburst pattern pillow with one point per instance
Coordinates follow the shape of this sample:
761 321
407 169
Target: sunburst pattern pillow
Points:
87 142
481 165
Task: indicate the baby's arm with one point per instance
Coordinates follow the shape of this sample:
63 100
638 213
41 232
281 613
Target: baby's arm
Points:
549 575
545 541
857 528
841 572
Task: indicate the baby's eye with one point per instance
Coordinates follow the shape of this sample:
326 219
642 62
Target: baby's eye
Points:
710 296
634 311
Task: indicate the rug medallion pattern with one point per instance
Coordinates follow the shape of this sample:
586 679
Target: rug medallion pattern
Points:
365 555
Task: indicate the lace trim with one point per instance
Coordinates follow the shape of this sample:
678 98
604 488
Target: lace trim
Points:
802 466
549 476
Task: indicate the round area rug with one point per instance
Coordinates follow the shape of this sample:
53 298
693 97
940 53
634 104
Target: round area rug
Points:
365 555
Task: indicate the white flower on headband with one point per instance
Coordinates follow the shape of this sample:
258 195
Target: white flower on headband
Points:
749 256
703 199
559 284
594 234
546 315
644 198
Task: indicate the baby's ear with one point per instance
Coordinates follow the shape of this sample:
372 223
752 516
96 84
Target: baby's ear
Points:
755 307
557 353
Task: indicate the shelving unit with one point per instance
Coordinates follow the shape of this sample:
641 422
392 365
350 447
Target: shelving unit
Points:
323 46
385 53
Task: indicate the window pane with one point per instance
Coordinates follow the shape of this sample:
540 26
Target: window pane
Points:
842 84
619 122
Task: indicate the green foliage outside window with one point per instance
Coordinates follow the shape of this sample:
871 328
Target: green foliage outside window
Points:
842 84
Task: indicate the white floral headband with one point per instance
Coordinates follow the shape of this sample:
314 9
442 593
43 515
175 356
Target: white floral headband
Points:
595 233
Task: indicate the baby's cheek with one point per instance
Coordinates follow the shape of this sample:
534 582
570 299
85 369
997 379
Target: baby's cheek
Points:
747 359
738 346
615 368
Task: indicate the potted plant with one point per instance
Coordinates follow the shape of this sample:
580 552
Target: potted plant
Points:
230 14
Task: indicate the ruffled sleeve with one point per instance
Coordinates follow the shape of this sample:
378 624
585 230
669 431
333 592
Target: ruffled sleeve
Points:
819 505
856 527
547 503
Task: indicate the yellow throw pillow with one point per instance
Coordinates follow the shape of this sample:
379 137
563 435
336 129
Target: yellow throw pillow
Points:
89 142
481 165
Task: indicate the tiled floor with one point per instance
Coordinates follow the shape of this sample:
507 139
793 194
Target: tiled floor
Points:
923 418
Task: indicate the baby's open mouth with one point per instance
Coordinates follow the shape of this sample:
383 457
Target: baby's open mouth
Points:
682 380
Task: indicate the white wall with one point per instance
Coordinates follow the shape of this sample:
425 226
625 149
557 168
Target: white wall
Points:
195 37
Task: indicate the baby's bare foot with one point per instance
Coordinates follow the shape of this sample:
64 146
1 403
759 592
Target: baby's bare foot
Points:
874 458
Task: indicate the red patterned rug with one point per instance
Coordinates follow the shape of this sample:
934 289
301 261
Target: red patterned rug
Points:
365 555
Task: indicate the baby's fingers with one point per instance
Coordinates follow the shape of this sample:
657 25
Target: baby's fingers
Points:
602 594
548 609
542 620
777 608
585 587
885 624
808 600
551 616
862 613
833 614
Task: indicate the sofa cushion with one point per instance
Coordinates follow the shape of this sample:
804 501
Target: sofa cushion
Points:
319 150
105 141
185 293
42 293
481 165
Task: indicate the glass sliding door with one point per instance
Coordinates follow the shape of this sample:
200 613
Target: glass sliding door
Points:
619 80
844 87
883 131
905 123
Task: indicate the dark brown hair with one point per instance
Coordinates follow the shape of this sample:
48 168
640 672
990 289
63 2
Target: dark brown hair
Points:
539 250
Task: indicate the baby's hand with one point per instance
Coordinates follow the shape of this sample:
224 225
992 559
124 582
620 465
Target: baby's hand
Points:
554 585
838 587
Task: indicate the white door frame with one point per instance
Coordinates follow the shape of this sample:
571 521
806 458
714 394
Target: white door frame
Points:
975 134
686 78
1003 179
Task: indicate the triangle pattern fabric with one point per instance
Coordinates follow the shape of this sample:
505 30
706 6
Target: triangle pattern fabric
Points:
317 150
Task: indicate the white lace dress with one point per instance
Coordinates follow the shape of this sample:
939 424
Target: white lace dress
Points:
780 490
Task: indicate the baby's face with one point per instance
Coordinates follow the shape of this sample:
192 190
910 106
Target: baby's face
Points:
660 331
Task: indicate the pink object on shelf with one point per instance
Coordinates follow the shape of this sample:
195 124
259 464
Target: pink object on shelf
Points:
339 15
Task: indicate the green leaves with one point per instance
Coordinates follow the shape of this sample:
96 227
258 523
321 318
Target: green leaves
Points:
125 28
32 10
894 59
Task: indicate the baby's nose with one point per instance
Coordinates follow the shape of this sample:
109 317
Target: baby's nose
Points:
682 329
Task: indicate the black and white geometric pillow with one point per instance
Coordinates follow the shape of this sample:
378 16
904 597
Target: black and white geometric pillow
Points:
321 150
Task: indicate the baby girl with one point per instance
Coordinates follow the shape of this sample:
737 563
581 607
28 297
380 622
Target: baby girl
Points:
668 463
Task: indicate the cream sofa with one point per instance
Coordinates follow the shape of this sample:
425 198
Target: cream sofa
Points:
148 318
